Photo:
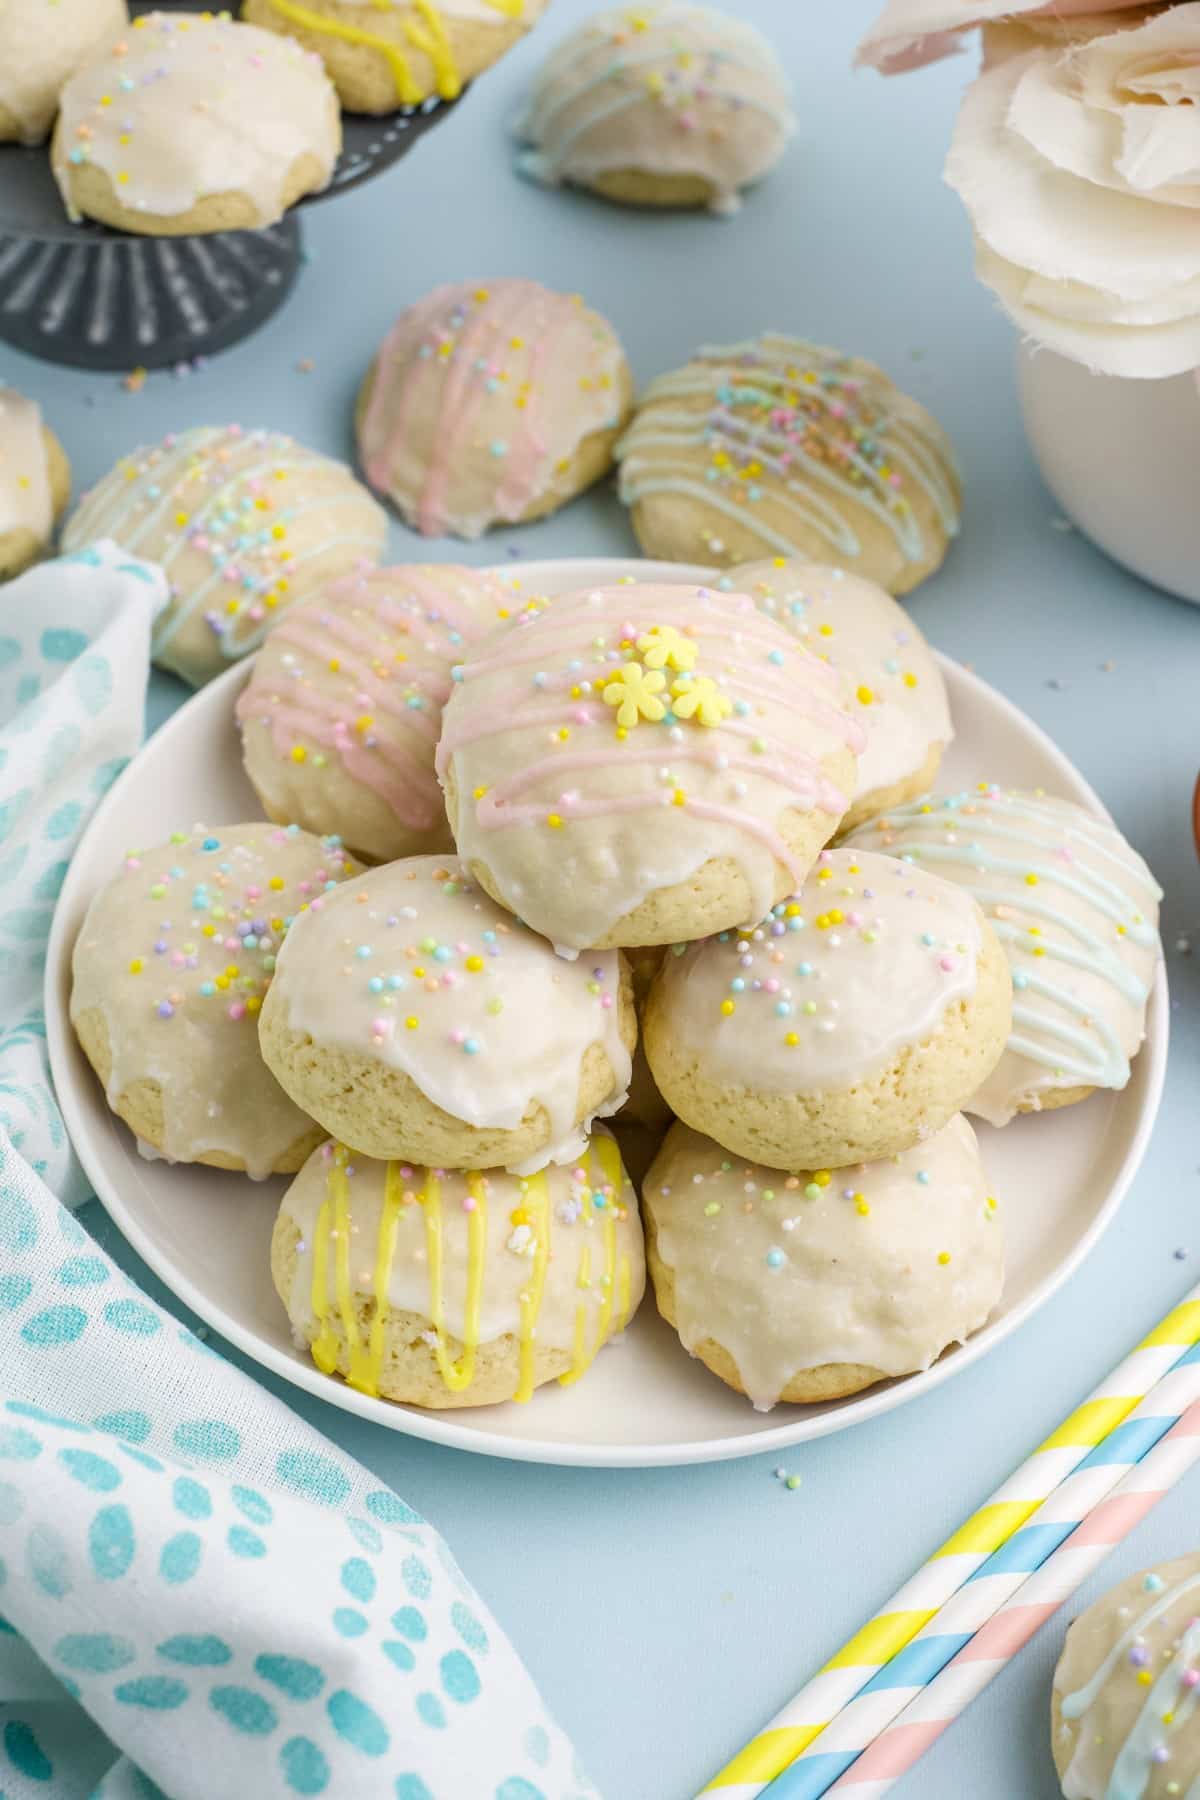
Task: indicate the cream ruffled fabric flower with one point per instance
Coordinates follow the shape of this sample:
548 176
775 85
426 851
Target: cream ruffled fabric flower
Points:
910 33
1080 170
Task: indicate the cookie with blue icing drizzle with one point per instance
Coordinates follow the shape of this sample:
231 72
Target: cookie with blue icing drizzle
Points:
778 447
1126 1701
1077 912
244 522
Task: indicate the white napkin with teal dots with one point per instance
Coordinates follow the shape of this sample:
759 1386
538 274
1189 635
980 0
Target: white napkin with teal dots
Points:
200 1597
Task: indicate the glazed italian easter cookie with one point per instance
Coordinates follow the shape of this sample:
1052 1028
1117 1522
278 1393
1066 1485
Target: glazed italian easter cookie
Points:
35 482
393 53
414 1018
245 523
341 715
153 137
667 105
41 43
449 1288
491 403
1126 1701
779 446
1076 910
892 680
168 975
811 1286
644 764
853 1022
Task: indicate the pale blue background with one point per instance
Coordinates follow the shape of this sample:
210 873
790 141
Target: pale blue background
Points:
667 1613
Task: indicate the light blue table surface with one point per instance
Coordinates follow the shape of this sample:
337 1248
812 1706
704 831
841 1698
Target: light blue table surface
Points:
667 1613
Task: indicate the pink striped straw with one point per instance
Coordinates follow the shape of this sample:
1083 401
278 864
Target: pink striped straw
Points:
997 1641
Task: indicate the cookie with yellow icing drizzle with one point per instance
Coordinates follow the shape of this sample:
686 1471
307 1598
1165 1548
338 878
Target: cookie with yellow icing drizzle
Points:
861 1014
35 483
191 122
778 446
491 403
1076 910
659 105
244 523
385 54
446 1288
41 43
1126 1699
168 974
342 713
811 1285
891 677
644 764
415 1018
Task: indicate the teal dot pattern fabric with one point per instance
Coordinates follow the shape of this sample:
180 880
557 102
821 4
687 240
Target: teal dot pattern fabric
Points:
200 1597
74 650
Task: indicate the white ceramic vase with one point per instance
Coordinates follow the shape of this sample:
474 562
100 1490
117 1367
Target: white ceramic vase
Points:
1122 458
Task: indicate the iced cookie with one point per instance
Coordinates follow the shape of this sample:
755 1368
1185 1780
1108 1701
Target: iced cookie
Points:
169 972
776 446
892 681
491 403
394 53
152 133
1126 1701
414 1018
342 713
644 764
854 1021
450 1288
811 1286
662 105
1076 910
245 523
35 481
41 43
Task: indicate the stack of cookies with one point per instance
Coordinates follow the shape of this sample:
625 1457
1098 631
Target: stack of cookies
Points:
619 804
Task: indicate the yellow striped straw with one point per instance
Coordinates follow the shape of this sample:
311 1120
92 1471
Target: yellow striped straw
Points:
844 1676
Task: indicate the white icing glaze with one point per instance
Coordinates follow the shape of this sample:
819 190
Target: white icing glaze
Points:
1128 1689
818 435
1081 935
893 683
243 522
42 42
342 712
184 107
673 89
25 499
502 1023
862 961
869 1265
479 396
155 956
530 740
594 1259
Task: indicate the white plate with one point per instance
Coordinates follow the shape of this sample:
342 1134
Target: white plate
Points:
645 1402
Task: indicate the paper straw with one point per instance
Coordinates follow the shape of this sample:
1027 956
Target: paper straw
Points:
966 1613
1013 1624
1102 1420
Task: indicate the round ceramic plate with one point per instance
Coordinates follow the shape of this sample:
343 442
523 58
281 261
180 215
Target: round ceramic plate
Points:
1060 1176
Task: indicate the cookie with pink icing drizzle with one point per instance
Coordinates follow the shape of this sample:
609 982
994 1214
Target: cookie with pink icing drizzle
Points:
342 714
643 764
491 403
